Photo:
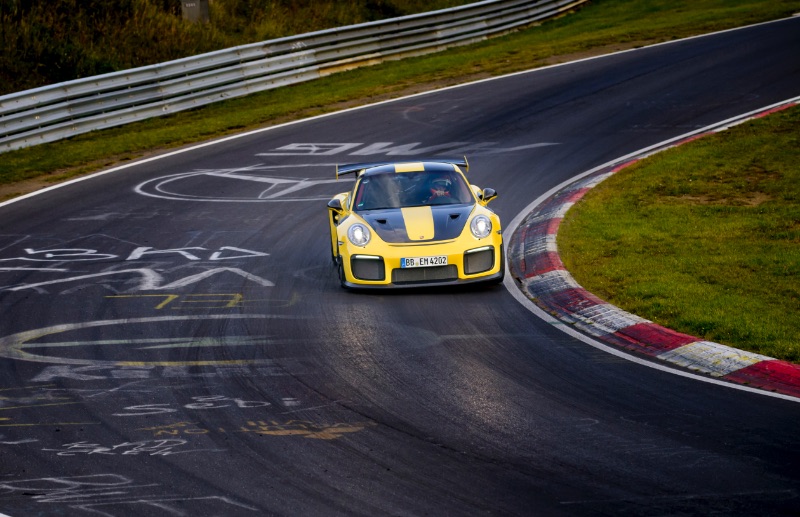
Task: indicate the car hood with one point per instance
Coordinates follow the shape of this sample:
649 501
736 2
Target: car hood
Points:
419 223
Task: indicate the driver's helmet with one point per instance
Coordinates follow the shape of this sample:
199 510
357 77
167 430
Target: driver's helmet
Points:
441 182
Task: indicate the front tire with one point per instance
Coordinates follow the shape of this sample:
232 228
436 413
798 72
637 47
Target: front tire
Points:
340 272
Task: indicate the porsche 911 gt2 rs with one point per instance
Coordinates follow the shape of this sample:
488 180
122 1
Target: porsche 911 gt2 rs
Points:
410 224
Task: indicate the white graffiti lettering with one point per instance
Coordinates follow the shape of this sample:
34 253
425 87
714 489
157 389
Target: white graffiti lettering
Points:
104 494
311 149
62 255
243 253
142 252
394 149
101 373
63 489
148 279
200 403
147 447
211 272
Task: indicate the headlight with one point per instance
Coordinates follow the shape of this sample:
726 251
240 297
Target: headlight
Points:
358 234
481 226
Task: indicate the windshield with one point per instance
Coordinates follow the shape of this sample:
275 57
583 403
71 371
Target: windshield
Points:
407 189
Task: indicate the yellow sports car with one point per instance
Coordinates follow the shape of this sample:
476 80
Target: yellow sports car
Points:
410 224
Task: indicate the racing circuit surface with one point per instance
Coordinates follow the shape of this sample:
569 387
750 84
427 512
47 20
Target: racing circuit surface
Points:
174 339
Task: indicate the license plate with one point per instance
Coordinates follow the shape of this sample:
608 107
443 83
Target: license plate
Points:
440 260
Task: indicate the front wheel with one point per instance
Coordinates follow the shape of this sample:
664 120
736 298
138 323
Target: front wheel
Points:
499 279
340 271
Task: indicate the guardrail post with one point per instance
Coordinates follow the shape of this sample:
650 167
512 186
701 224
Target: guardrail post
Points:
195 10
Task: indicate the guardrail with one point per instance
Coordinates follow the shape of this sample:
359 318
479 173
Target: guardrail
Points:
67 109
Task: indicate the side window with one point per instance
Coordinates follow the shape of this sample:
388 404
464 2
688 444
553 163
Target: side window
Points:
359 194
462 190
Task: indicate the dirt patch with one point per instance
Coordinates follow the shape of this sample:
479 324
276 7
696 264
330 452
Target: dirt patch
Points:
19 188
751 199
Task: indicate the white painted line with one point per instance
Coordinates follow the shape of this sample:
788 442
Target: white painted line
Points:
335 113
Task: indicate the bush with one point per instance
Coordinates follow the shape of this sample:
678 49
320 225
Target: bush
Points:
49 42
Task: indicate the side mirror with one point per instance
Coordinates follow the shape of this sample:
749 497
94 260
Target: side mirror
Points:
488 194
335 204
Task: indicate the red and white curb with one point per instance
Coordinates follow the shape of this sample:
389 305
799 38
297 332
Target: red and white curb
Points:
537 270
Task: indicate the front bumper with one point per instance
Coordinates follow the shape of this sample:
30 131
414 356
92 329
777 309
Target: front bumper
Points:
467 263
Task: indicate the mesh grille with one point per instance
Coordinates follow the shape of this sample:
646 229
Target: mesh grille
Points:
368 269
424 274
478 262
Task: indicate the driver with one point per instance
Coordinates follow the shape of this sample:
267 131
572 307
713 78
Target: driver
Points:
438 187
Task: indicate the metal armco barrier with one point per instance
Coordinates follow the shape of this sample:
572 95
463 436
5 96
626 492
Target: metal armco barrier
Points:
67 109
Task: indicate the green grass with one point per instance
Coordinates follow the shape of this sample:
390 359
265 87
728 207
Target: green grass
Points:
599 27
703 238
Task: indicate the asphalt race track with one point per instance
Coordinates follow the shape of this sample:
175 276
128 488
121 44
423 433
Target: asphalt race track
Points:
174 341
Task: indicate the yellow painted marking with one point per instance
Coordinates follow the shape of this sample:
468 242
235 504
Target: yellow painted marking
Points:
229 302
160 343
272 428
167 298
409 167
213 342
167 426
217 301
38 405
104 342
27 388
419 222
304 429
293 300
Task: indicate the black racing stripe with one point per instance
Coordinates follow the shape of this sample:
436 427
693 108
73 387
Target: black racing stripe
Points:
388 224
448 223
449 220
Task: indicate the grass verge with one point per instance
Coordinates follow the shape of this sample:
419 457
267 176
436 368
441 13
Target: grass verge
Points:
600 27
703 238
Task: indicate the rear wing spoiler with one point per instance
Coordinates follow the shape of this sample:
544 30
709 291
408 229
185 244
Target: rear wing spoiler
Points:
359 168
